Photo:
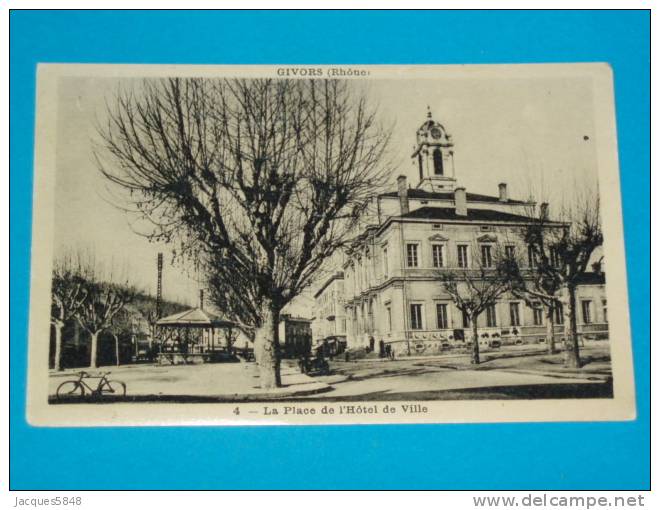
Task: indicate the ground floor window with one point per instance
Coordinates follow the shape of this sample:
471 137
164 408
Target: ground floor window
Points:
554 257
531 257
441 313
388 310
586 311
491 317
466 319
514 313
370 316
559 314
538 315
416 316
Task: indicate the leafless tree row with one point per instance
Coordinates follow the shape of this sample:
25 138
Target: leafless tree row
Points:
81 291
560 250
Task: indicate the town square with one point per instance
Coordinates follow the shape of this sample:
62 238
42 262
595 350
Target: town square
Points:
311 240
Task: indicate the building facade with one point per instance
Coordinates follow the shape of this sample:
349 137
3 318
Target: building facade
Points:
392 272
329 314
295 336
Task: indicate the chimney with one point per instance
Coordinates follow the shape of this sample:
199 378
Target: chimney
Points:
201 299
460 202
403 193
504 194
543 211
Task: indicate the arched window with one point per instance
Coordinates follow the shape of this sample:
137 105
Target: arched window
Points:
421 167
437 162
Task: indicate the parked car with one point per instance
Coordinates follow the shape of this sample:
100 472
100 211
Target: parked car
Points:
314 366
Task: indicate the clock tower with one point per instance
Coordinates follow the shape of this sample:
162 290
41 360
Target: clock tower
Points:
434 157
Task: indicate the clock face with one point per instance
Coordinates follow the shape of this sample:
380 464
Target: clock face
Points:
436 132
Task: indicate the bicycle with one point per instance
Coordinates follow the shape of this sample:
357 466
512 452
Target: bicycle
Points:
80 388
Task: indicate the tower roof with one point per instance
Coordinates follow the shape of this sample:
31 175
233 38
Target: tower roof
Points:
195 317
432 131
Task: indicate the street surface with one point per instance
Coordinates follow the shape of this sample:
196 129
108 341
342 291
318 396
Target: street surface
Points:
503 374
194 383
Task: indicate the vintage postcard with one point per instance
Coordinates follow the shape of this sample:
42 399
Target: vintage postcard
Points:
232 245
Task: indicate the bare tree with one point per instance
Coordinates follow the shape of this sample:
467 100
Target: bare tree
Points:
537 290
105 299
223 296
534 284
121 325
147 308
68 296
151 316
473 290
261 180
561 255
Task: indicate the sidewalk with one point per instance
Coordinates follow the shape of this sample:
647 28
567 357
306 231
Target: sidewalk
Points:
528 360
206 382
513 350
597 365
566 374
485 352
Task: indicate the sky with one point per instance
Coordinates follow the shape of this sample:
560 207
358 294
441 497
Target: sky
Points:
536 134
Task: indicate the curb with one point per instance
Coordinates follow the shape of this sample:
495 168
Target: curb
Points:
559 375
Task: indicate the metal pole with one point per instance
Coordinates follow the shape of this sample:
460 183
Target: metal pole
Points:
159 286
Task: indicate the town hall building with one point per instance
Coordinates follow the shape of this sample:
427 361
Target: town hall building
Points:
391 283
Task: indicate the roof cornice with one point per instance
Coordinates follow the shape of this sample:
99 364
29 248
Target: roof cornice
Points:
399 219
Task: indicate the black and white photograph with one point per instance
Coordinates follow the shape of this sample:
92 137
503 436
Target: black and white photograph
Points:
327 244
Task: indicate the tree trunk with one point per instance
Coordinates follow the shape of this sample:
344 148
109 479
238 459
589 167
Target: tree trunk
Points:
550 329
93 363
266 347
76 334
475 342
572 348
58 345
116 348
